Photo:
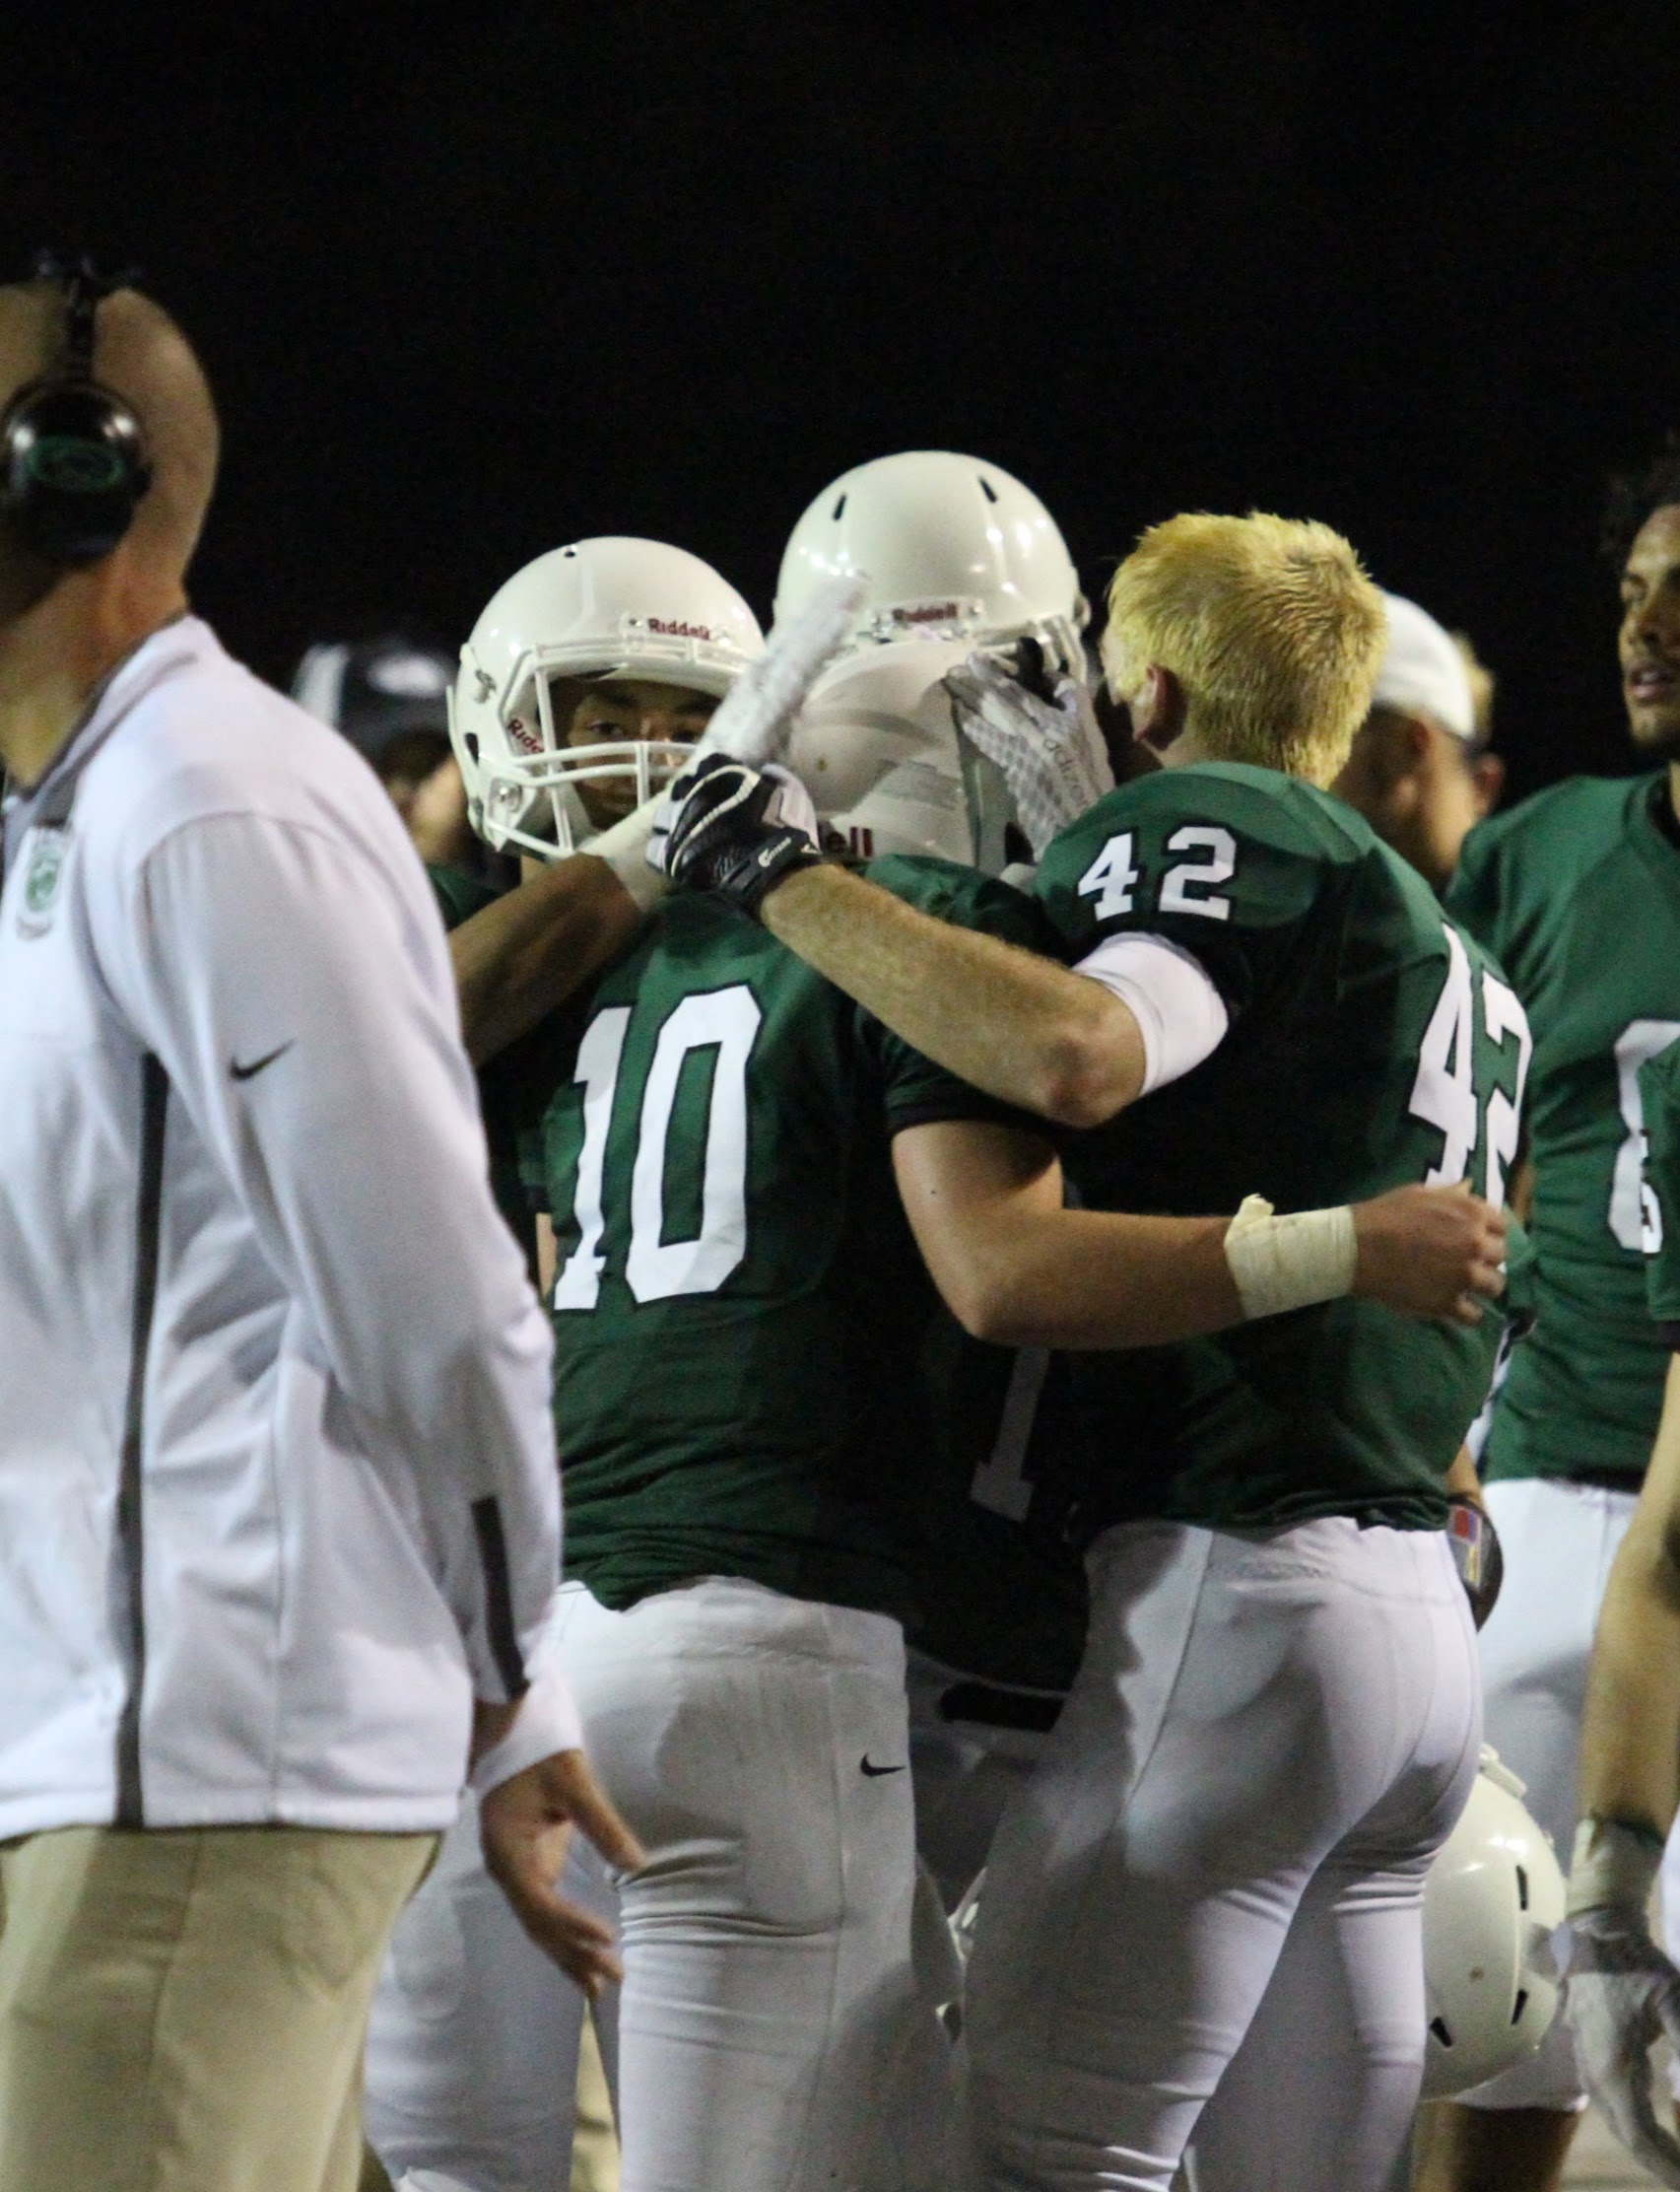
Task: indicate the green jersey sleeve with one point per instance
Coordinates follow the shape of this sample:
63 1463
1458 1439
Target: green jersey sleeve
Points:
1225 862
1659 1095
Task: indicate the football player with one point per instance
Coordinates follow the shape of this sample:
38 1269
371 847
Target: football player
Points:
1578 892
955 553
1624 1992
1277 1718
589 673
1418 772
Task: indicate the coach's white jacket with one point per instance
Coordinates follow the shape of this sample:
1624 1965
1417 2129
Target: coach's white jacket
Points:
277 1484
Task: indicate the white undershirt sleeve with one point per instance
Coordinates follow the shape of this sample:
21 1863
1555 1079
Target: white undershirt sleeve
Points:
1180 1016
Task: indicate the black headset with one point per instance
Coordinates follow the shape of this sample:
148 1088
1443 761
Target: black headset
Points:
73 463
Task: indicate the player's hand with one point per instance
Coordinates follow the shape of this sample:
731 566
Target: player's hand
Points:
1430 1251
755 719
735 830
525 1824
1042 733
1622 1996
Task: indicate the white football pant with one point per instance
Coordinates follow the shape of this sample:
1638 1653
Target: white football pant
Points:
772 2037
1559 1541
472 2048
1211 1888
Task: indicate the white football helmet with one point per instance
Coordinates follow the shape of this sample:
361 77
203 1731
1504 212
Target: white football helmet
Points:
611 607
878 750
952 547
1494 1899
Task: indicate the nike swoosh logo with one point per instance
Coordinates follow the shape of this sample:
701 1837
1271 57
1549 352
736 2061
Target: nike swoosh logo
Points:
874 1773
243 1072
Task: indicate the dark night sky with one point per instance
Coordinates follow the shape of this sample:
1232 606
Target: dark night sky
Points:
471 288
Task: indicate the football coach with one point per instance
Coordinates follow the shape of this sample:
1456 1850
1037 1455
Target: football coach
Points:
279 1505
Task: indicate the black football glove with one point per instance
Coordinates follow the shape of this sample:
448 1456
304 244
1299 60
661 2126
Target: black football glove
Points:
726 835
1031 669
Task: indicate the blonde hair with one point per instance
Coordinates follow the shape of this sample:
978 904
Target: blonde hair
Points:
1269 625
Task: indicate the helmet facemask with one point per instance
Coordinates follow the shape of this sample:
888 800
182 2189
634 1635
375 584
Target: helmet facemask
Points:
532 793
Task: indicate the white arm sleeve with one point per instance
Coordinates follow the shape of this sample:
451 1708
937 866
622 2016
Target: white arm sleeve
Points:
357 1153
1180 1014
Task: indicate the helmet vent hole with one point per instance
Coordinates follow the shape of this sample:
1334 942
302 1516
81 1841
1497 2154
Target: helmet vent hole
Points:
1437 2026
569 553
1521 2005
1521 1889
838 511
988 489
472 746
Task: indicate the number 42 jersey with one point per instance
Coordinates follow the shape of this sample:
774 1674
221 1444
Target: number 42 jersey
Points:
1370 1043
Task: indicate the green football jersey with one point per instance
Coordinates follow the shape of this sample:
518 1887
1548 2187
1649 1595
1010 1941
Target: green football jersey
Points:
1000 1592
1370 1043
740 1311
1577 892
1659 1101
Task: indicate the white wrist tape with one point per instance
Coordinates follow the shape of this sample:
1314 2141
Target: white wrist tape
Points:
1282 1264
1614 1866
624 848
547 1721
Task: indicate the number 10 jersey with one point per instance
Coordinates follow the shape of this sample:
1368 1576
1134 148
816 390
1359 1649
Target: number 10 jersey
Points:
740 1311
1371 1042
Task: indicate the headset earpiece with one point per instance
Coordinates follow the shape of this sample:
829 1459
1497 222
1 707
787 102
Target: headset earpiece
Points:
73 464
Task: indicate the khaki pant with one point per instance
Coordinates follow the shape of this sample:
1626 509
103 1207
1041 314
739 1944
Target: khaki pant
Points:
183 2009
595 2141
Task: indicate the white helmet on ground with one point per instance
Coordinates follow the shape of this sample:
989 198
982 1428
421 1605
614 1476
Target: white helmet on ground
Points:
877 747
1494 1899
952 546
611 607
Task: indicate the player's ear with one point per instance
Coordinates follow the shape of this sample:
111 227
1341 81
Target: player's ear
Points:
1487 774
1158 708
1417 740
